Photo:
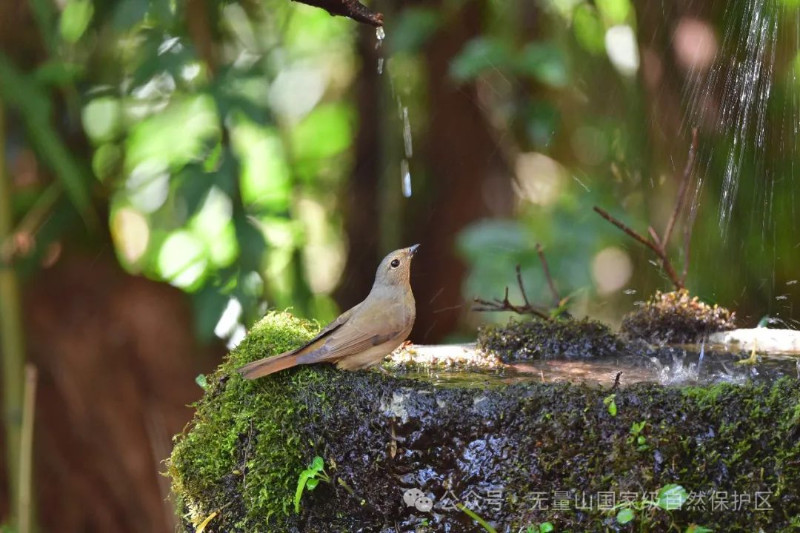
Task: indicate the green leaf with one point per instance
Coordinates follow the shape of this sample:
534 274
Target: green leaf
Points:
694 528
546 527
625 516
609 402
26 96
324 132
589 29
317 464
312 483
202 381
102 118
544 62
176 135
75 19
58 72
479 55
298 493
671 497
614 11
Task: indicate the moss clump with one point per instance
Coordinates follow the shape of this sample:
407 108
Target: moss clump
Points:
548 339
675 317
243 439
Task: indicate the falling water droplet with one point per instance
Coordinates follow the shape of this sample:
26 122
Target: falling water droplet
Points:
380 34
629 291
380 65
407 133
792 282
405 173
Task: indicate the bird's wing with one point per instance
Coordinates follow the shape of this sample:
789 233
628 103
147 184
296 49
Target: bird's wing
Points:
318 341
360 333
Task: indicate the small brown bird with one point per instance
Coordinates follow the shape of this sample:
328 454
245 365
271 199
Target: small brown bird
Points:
362 336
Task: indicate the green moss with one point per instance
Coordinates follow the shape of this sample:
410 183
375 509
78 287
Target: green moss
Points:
383 435
238 421
547 339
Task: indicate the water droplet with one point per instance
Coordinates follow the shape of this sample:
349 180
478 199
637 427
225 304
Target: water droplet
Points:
782 297
792 282
405 173
380 65
380 34
407 133
629 291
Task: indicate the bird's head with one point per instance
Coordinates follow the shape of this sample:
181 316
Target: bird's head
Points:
396 267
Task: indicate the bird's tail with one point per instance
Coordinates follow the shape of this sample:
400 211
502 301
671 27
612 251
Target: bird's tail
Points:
268 365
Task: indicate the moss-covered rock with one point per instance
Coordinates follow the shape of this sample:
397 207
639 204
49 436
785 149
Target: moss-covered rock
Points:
549 339
516 455
676 317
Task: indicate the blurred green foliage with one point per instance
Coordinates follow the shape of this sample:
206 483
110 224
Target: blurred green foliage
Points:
218 132
213 134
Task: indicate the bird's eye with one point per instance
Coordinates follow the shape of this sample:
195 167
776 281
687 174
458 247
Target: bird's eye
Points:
395 263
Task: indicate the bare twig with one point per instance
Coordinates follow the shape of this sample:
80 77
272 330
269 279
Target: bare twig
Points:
621 225
682 188
347 8
659 244
506 305
548 277
521 288
658 250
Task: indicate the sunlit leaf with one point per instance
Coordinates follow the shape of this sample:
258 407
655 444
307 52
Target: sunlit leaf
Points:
75 19
325 132
176 135
614 11
265 179
182 260
589 29
102 118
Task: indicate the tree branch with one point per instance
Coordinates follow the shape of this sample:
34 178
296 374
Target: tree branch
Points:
347 8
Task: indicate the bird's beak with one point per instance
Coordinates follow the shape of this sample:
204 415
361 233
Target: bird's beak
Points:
412 249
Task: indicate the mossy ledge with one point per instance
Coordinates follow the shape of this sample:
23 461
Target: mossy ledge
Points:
380 436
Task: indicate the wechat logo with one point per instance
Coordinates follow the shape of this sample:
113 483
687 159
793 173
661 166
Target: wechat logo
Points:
416 498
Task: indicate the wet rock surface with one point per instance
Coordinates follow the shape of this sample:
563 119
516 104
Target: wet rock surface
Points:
516 455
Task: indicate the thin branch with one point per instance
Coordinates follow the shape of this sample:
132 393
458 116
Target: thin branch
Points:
347 8
658 250
548 277
506 305
687 241
684 186
659 244
624 227
521 288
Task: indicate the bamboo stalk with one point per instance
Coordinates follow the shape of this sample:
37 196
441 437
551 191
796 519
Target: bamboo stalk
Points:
25 499
12 343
